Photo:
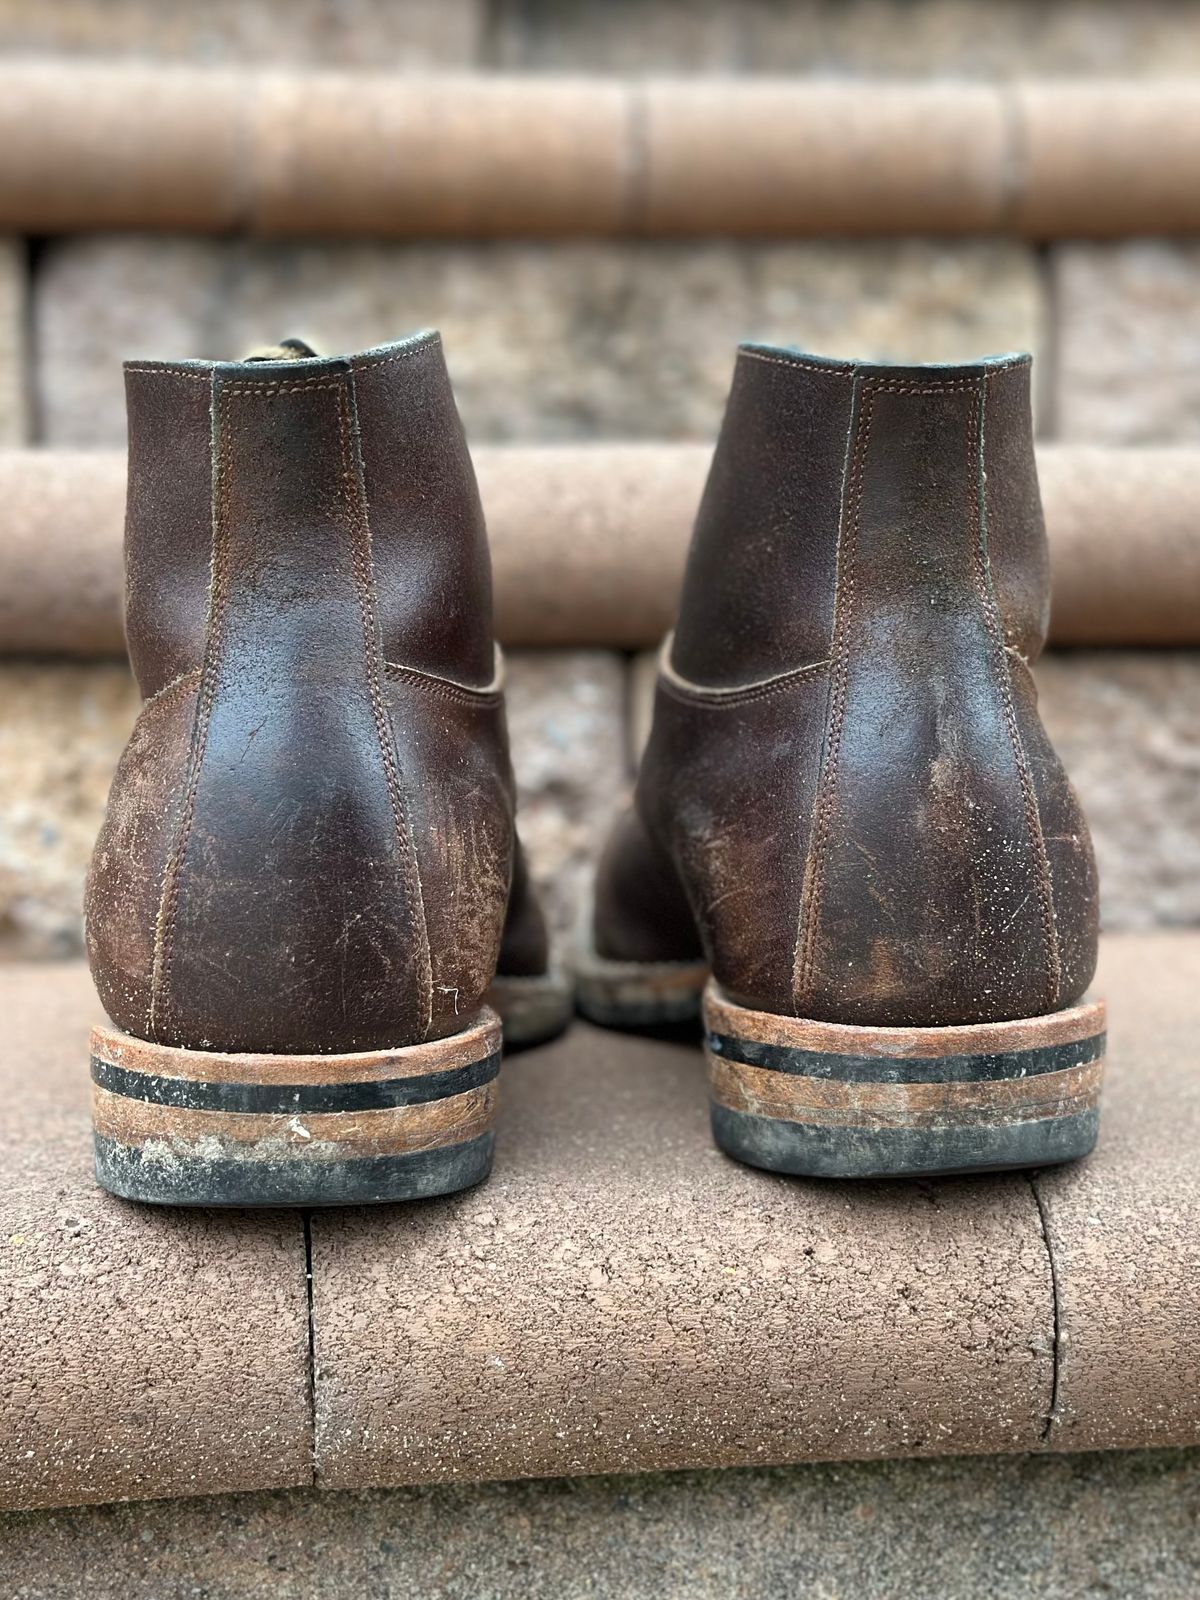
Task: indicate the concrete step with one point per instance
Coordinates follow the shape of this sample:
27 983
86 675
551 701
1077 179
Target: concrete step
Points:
619 1296
588 544
122 145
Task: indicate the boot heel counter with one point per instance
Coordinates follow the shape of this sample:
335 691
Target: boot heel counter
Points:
289 914
727 783
1067 843
305 547
125 874
928 894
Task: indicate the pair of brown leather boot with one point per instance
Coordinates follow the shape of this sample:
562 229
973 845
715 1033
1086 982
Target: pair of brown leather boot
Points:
307 904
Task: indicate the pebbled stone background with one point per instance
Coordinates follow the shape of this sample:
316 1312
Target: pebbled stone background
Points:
545 341
1128 329
62 729
917 38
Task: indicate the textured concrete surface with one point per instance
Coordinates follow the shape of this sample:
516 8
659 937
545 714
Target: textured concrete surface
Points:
141 1351
618 1297
560 341
1124 557
1127 319
1124 1227
61 579
1063 1528
927 37
622 1296
518 155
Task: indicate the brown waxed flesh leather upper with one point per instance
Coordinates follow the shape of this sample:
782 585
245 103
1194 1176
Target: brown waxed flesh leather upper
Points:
848 799
525 947
309 844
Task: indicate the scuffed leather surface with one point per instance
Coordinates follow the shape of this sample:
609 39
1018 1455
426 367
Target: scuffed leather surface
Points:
1019 556
924 902
730 785
887 838
294 880
168 520
461 818
140 825
307 849
1076 896
433 576
758 587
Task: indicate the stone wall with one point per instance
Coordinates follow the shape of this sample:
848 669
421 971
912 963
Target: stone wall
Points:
905 38
545 341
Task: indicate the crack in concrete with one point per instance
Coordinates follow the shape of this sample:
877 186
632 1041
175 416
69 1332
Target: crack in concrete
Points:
306 1221
1052 1415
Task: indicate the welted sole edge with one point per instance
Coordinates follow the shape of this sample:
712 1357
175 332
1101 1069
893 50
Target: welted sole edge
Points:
207 1128
816 1099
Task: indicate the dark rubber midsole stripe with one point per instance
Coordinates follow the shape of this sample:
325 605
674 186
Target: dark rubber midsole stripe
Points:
907 1069
286 1099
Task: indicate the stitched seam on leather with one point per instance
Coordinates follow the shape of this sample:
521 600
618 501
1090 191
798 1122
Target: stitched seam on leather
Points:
888 386
361 562
1033 816
361 363
443 688
369 363
172 372
1029 796
177 682
798 366
878 383
164 930
814 867
262 388
696 695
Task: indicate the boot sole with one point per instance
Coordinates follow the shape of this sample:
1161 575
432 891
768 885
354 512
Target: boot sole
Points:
825 1100
201 1128
533 1009
638 994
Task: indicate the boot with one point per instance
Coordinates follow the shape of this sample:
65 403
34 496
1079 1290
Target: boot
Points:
298 897
848 810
